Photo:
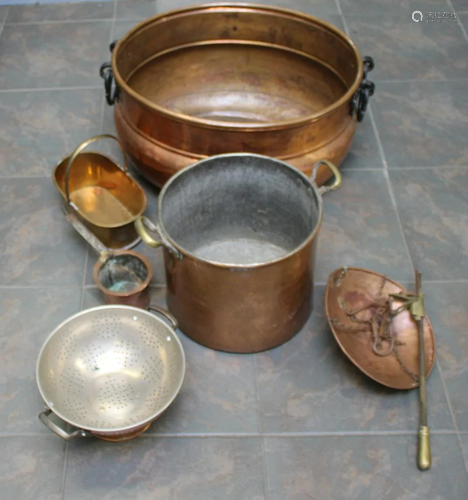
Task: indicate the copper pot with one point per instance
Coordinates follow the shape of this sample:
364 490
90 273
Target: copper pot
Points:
220 78
239 233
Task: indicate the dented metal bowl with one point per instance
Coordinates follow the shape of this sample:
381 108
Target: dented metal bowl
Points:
394 361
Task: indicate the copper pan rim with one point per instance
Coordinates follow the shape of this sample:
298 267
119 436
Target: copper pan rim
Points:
239 7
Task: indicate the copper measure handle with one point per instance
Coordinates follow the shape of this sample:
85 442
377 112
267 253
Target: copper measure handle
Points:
61 432
336 183
80 148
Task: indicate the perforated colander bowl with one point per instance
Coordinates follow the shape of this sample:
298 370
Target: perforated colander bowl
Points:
110 370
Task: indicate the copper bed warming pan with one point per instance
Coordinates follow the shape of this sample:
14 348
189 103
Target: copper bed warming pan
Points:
101 194
109 372
391 360
234 77
239 233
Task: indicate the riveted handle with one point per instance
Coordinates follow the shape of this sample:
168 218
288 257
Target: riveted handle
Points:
143 224
60 431
164 313
424 451
366 90
336 183
80 148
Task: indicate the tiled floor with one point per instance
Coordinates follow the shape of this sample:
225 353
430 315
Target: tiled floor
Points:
298 422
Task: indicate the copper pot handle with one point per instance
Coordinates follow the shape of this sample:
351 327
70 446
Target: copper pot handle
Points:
143 224
80 148
60 431
336 183
164 313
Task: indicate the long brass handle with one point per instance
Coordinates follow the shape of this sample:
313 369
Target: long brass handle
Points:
424 451
338 179
80 148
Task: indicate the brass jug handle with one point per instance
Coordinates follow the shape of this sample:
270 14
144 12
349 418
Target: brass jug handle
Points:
336 183
80 148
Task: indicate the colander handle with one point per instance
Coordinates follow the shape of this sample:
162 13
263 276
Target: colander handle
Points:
336 183
164 313
60 431
80 148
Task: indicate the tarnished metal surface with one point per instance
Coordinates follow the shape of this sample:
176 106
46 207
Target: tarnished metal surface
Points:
110 371
220 78
239 234
353 299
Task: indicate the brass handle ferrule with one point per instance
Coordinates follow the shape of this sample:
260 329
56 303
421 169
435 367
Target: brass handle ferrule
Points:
424 451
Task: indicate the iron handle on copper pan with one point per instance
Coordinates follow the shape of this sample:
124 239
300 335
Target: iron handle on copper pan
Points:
366 90
111 88
80 148
60 431
336 183
143 225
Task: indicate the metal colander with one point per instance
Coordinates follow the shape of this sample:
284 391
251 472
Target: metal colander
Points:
110 370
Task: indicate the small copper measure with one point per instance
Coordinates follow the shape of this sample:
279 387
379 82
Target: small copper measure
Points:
123 276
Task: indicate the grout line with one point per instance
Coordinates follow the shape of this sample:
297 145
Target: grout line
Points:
260 422
35 287
429 167
246 435
48 89
338 7
63 21
452 414
410 80
83 287
462 28
390 186
64 474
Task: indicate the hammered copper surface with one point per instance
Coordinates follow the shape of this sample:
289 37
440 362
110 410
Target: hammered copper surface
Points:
352 288
239 233
222 78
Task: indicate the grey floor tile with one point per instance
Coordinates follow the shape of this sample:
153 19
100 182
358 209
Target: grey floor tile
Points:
464 442
447 308
360 228
135 9
363 468
53 55
37 244
433 208
423 123
3 14
63 12
179 469
405 50
396 6
44 127
31 468
28 317
460 5
219 393
364 152
309 385
121 28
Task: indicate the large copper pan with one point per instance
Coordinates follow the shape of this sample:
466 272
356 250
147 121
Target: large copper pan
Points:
239 233
221 78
